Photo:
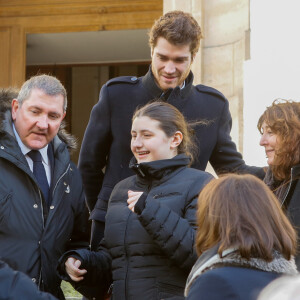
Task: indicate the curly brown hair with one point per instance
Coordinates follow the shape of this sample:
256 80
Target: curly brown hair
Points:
178 28
240 211
283 118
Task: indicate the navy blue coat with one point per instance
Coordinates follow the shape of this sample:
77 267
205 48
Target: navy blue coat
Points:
107 138
232 283
33 237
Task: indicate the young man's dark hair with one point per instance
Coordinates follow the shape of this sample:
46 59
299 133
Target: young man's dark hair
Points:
178 28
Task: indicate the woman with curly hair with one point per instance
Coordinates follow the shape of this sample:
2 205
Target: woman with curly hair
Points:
279 126
244 240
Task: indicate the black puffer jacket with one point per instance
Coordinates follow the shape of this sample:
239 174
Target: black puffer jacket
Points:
32 238
152 251
15 285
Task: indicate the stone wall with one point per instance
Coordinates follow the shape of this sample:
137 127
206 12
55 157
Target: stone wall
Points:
219 63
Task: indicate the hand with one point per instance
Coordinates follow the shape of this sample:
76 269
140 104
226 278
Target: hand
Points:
72 268
133 197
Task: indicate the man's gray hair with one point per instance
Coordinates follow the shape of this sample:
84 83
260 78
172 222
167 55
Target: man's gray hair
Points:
50 85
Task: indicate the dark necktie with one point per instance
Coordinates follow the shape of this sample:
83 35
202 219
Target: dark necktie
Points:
39 172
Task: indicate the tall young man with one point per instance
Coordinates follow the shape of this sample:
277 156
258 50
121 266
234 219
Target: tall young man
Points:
174 40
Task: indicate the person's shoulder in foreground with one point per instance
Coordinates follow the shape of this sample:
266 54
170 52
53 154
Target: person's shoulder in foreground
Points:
16 285
244 240
232 283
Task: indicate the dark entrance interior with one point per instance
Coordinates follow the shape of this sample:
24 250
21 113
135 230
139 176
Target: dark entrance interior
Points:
83 84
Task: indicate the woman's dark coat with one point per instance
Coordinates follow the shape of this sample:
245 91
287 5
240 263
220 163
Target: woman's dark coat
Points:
152 250
291 203
230 283
32 236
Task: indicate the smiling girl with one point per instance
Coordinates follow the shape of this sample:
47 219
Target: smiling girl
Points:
148 245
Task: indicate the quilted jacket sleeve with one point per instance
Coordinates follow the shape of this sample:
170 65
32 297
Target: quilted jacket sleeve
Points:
98 265
175 234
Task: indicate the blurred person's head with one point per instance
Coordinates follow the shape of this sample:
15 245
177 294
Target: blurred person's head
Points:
239 211
283 288
279 126
174 40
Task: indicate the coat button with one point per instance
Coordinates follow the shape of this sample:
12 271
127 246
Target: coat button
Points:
35 205
33 279
65 183
52 207
2 147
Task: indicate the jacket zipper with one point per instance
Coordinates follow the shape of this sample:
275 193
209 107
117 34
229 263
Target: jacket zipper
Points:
125 246
126 255
43 219
60 179
43 227
42 207
40 278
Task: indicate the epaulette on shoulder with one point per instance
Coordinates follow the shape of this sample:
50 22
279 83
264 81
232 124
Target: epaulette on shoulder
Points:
209 90
123 79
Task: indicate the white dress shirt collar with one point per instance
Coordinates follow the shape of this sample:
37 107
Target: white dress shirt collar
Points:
183 85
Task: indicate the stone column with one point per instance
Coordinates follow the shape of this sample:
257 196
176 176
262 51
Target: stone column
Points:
225 25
